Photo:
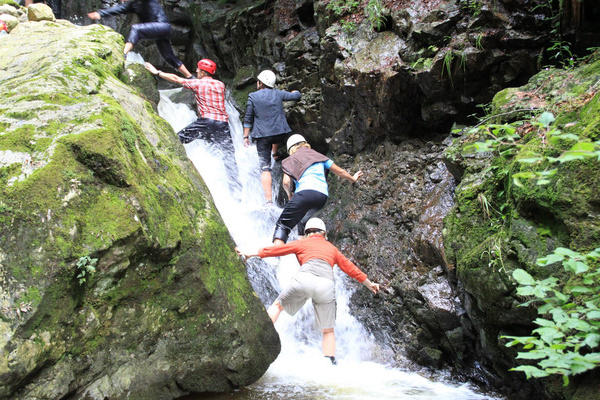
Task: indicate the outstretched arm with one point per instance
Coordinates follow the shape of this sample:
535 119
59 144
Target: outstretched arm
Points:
165 75
344 174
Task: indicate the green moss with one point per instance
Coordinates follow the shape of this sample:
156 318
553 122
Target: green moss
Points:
52 98
22 115
222 269
21 139
9 172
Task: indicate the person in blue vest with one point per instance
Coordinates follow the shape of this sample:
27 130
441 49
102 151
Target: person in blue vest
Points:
308 169
154 25
265 123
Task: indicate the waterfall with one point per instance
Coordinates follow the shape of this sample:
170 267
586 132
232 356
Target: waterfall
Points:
300 371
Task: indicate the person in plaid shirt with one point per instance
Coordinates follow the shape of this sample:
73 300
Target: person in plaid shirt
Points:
212 124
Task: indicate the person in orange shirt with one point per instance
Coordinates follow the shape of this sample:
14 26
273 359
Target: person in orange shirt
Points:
317 257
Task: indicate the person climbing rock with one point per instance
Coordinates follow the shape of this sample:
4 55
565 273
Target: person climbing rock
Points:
265 123
315 279
308 169
154 25
212 124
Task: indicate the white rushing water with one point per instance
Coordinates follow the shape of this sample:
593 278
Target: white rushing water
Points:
300 372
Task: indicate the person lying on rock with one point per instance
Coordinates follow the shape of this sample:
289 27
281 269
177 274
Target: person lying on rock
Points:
265 122
212 124
314 280
154 25
308 169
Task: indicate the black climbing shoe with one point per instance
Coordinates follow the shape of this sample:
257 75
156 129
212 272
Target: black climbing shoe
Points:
332 358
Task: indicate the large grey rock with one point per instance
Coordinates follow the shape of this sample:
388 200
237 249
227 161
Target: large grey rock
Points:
92 177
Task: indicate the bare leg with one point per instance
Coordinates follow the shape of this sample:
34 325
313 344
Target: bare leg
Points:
274 310
128 47
328 342
265 180
274 148
184 71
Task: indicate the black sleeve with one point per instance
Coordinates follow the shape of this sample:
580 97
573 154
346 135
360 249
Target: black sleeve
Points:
122 8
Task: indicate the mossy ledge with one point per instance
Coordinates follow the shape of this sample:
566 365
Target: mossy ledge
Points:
497 225
89 170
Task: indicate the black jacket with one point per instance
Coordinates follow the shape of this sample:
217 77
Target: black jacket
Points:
146 10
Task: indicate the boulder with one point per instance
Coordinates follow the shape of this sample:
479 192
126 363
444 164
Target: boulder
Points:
40 12
118 278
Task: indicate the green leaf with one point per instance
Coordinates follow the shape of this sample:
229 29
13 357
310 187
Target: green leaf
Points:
523 277
580 289
546 118
550 259
592 340
593 314
566 252
531 371
563 298
525 291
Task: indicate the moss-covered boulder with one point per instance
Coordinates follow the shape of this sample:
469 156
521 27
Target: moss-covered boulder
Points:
118 278
505 220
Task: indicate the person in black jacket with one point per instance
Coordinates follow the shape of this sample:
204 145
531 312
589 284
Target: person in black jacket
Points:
265 122
154 24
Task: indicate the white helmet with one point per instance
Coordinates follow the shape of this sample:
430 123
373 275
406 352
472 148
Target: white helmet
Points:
315 224
267 77
294 140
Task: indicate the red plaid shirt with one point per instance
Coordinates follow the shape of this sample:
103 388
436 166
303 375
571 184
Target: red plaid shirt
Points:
210 97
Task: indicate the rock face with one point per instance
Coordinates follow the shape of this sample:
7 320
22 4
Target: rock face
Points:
498 226
118 278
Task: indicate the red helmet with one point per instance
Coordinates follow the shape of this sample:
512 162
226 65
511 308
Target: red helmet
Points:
3 26
207 65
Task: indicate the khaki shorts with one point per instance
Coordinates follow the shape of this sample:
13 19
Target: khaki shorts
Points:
307 285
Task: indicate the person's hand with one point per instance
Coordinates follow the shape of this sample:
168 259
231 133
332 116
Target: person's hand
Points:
373 287
246 141
151 68
357 175
94 15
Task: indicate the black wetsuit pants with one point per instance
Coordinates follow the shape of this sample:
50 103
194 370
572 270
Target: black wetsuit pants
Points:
303 205
217 134
160 32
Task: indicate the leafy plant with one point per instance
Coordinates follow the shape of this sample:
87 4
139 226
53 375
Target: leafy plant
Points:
506 138
567 340
472 7
561 52
340 7
374 12
479 41
86 267
447 65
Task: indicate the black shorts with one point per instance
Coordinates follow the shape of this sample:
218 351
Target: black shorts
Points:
264 146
